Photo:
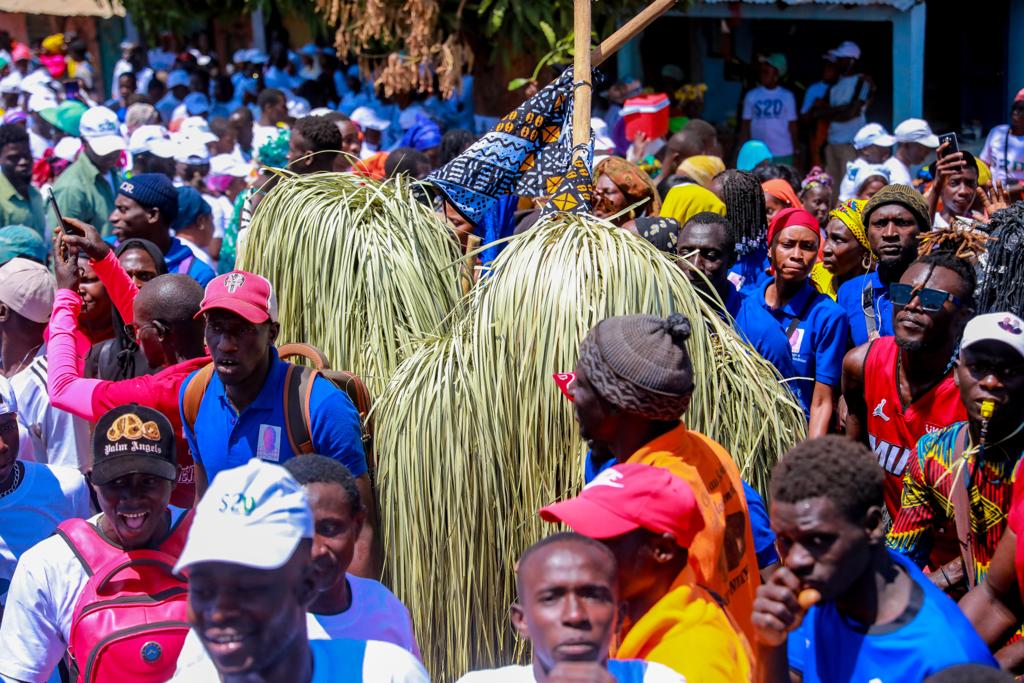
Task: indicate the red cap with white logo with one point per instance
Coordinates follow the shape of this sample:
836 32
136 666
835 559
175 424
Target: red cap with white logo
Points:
628 497
242 293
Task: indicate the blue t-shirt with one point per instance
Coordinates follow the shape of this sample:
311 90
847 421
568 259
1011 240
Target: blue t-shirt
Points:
223 438
760 329
849 299
931 635
750 270
760 525
818 343
179 259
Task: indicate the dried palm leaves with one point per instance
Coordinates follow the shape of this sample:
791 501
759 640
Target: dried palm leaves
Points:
473 435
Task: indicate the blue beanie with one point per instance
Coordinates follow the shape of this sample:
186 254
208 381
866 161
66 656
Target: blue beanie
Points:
152 191
191 206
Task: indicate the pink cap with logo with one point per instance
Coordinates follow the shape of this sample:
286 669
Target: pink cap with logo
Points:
245 294
628 497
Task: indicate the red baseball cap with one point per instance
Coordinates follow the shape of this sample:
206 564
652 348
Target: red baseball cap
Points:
628 497
242 293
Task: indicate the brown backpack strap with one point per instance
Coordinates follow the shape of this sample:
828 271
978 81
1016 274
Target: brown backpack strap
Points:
194 392
298 388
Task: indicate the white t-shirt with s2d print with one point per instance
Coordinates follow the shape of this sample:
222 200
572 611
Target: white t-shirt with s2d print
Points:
998 148
770 113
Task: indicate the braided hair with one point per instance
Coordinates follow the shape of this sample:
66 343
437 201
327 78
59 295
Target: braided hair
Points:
745 209
1003 285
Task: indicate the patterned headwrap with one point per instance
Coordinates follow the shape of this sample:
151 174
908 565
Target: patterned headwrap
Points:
633 183
662 232
274 152
701 169
849 213
817 176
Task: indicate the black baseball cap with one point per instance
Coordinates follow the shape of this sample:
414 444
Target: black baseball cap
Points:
133 439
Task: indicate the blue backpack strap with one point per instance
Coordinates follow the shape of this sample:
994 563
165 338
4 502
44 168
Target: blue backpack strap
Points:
627 670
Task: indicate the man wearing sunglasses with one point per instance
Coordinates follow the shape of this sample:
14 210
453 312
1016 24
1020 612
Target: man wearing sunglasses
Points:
1004 148
162 321
962 476
894 219
900 388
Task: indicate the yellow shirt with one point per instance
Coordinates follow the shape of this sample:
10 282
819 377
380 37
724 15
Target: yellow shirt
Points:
688 632
723 553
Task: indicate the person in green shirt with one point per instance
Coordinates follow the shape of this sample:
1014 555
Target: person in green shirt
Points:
20 203
86 190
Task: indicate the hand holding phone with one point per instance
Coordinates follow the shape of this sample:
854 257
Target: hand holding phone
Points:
952 145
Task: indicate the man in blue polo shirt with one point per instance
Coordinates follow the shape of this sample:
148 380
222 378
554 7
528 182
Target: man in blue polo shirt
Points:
145 207
894 219
240 414
708 242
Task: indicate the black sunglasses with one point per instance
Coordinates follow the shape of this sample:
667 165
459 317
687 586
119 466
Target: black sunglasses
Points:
931 299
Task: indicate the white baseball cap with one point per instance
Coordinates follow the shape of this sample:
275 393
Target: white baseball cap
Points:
228 164
191 151
870 171
367 118
916 130
1000 327
873 134
176 78
27 288
152 139
8 401
197 128
11 83
254 516
99 126
67 148
41 99
847 49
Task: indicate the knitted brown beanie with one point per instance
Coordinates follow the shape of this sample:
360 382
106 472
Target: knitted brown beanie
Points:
904 195
639 363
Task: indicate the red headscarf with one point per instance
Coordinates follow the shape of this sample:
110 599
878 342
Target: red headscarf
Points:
783 191
787 218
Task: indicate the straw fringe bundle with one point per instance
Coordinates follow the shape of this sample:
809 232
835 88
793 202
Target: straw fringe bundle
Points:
361 269
473 435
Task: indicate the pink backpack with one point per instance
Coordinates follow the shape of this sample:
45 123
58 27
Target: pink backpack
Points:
130 621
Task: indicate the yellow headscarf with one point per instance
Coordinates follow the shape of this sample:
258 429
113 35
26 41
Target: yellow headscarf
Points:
54 44
686 201
849 212
984 173
701 169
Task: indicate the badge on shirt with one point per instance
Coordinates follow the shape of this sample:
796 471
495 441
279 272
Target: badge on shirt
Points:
796 340
268 446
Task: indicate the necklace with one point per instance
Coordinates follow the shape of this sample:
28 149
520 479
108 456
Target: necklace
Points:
18 469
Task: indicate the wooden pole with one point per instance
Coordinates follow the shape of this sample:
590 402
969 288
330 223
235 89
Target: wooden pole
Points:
629 30
583 88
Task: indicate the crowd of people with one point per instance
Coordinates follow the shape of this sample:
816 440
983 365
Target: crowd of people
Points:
180 502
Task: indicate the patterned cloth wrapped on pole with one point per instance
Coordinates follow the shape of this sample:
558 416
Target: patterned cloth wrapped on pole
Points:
529 153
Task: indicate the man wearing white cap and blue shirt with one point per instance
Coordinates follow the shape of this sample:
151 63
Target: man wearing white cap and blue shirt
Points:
847 99
250 569
873 145
86 190
373 128
34 498
914 142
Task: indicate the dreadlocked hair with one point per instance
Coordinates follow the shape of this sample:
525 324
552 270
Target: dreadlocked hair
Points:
1003 282
745 209
963 241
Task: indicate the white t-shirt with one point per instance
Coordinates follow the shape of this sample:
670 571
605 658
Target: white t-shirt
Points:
899 172
770 113
998 148
374 614
652 673
47 434
333 661
41 601
46 496
843 132
848 186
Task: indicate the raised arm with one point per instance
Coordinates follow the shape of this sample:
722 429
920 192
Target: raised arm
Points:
120 287
853 392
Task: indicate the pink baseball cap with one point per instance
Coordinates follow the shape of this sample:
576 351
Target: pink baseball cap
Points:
242 293
628 497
